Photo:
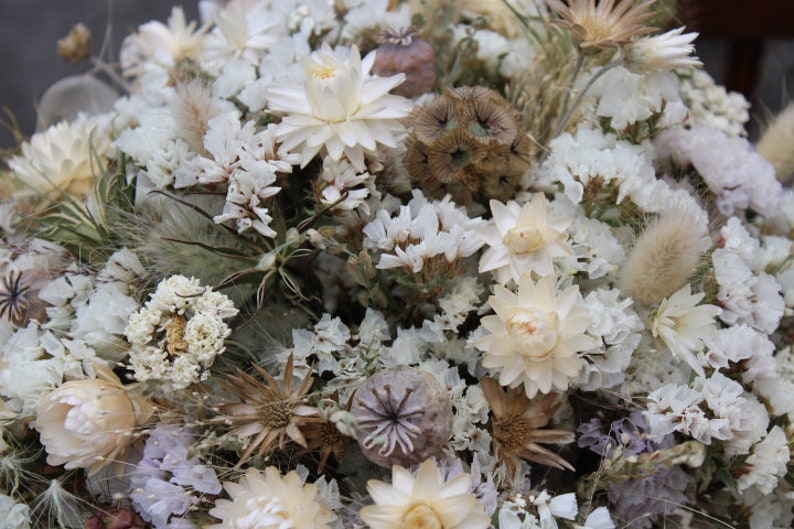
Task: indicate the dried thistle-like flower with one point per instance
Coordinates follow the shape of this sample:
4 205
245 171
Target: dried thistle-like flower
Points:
518 427
267 411
325 436
76 46
598 24
404 415
665 254
404 51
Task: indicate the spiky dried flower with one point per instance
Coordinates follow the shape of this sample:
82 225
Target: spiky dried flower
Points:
324 436
404 414
598 24
269 412
519 427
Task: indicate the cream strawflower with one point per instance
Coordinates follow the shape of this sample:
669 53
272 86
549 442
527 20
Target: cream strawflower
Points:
424 501
89 423
536 335
339 107
271 501
523 239
64 157
667 51
682 325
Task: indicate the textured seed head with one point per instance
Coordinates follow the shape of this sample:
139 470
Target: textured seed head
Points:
404 416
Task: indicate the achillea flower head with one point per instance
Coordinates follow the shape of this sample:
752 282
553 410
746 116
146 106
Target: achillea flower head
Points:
598 24
666 253
404 415
536 335
466 142
271 501
424 501
519 427
340 108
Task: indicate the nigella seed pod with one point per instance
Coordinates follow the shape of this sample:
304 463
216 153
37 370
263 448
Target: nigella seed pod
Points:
404 417
403 51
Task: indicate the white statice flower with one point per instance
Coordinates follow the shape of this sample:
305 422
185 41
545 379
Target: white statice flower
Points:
271 501
524 239
668 51
66 157
420 231
741 345
616 327
682 324
243 31
778 391
158 45
626 97
179 332
734 172
767 464
536 336
424 500
551 507
673 408
454 306
513 514
225 140
598 519
373 17
344 188
340 108
167 165
324 343
14 515
250 185
710 105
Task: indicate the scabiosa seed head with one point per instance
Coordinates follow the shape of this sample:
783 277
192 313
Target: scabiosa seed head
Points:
404 51
404 416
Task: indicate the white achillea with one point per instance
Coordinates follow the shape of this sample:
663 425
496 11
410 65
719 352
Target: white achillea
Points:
271 501
179 332
340 108
536 335
524 239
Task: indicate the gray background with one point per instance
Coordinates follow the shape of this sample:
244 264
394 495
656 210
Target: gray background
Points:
29 64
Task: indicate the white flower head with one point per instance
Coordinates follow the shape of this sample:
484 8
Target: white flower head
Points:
425 500
340 107
179 332
536 335
271 501
682 325
667 51
524 239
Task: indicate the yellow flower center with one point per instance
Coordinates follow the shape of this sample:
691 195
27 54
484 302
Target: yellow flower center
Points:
421 516
323 71
534 333
524 239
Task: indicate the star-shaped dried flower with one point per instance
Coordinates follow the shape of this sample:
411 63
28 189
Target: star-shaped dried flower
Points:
598 24
519 426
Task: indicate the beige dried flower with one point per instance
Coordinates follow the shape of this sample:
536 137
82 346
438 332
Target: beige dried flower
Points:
666 253
76 46
775 144
598 24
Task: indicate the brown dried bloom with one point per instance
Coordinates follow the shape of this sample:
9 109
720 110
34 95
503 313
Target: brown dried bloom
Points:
518 426
76 46
270 413
468 142
325 437
598 24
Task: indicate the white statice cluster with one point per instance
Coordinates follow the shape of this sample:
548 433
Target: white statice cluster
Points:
711 105
421 231
179 332
342 188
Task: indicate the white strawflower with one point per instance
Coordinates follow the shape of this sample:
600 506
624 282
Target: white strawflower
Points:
66 157
667 51
536 335
682 325
340 107
179 332
271 501
424 501
524 239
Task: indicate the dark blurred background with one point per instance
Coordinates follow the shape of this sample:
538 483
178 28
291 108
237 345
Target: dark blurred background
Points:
746 44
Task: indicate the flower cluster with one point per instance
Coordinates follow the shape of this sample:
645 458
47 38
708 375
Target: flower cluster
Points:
398 264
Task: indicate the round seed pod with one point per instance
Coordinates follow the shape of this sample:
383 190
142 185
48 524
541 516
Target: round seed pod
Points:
404 416
403 51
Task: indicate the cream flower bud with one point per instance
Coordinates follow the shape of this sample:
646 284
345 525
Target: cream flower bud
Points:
89 423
